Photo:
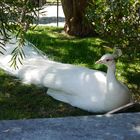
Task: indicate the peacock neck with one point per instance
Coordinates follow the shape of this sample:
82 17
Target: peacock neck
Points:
111 78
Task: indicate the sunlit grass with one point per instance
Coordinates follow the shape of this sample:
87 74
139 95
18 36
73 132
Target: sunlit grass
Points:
19 101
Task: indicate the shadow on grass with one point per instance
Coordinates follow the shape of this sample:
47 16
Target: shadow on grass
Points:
132 74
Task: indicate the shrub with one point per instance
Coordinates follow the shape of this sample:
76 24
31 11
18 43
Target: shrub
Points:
117 20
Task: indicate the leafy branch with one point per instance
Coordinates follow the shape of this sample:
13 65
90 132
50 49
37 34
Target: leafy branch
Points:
16 18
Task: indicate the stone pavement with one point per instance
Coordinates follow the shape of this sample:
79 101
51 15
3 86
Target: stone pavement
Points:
125 126
48 16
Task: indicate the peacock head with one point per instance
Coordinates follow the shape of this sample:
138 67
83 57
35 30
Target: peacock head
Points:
109 59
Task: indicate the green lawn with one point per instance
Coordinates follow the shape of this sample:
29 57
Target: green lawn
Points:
19 101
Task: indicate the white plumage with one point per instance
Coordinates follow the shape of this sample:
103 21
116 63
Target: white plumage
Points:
91 90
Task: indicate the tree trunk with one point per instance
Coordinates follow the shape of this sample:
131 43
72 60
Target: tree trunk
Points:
75 22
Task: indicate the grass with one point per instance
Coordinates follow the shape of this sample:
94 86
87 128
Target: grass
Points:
20 101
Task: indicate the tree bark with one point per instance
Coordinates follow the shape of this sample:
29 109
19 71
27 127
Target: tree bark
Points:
75 22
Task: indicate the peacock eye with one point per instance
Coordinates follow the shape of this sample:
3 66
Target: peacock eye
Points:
107 60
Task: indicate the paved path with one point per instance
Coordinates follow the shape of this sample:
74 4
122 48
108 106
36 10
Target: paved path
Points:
123 126
48 16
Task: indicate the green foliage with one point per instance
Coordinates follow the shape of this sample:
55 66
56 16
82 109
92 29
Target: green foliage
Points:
16 17
117 20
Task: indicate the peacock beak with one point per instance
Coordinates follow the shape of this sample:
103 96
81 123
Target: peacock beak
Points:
99 61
